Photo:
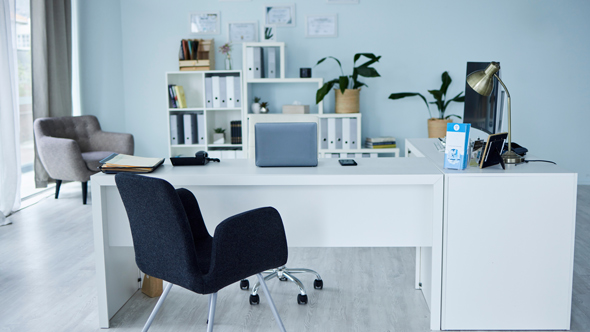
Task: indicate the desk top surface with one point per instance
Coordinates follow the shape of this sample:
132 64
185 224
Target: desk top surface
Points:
370 171
427 148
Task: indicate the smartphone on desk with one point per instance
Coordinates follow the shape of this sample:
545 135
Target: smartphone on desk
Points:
347 162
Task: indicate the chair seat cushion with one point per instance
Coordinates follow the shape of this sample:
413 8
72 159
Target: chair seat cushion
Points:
92 159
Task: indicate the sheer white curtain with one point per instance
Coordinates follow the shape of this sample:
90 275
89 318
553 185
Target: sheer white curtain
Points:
10 173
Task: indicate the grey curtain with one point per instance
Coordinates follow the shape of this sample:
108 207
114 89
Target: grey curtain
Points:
51 52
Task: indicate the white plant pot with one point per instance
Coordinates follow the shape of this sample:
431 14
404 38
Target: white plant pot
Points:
256 108
218 138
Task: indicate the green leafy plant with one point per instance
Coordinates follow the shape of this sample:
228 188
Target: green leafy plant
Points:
264 104
351 81
256 99
219 130
439 96
268 33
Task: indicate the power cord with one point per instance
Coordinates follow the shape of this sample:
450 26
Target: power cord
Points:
542 161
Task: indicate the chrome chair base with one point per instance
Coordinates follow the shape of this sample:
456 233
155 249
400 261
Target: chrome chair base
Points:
284 274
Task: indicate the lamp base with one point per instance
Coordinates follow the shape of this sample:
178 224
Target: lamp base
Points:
510 157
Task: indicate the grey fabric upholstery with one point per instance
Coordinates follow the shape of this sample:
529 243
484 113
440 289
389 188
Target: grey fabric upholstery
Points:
70 147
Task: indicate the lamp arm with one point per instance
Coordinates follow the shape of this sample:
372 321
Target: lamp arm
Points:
509 116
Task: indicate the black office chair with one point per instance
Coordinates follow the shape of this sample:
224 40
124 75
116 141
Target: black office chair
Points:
172 243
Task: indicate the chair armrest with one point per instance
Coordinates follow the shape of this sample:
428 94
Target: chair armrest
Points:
62 158
115 142
246 244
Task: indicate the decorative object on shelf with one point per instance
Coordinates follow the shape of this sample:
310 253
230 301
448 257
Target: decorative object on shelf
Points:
437 127
242 32
296 108
280 15
196 54
482 81
219 136
256 105
321 26
225 49
206 23
269 33
347 101
305 72
264 107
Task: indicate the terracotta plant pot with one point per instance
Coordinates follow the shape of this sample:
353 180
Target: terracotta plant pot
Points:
437 127
347 102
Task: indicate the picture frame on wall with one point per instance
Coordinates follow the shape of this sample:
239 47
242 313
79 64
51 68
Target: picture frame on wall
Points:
282 15
269 33
341 2
205 23
321 26
242 32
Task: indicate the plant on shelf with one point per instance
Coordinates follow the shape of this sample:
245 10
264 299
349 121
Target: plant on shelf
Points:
219 136
256 105
347 94
437 126
225 49
264 107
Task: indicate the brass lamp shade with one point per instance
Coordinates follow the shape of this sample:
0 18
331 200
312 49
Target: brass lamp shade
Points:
482 81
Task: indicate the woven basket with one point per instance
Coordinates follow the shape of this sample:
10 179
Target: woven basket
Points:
347 102
437 127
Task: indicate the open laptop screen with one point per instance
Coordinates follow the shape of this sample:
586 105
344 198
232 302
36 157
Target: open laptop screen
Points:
286 144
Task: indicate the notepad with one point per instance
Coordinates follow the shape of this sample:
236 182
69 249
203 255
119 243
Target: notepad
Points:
117 162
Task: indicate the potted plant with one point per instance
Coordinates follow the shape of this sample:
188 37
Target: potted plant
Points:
264 107
437 127
225 49
219 136
347 94
256 105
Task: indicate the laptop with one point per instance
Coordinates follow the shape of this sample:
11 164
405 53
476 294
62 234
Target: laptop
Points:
286 144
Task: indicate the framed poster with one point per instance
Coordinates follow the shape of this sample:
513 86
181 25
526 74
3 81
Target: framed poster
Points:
280 15
240 32
321 26
339 2
269 33
206 23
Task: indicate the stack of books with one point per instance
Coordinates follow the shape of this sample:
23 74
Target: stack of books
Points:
176 98
380 142
236 132
118 162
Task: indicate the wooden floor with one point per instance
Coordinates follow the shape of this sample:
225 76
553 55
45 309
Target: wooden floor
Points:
47 283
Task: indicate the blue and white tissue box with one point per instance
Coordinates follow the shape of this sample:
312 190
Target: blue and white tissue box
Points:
457 143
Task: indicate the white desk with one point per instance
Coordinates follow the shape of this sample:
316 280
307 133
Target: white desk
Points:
495 246
380 202
508 244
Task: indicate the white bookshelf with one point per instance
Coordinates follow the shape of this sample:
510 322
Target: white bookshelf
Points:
193 83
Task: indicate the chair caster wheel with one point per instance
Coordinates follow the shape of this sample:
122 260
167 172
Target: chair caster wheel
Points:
283 279
318 284
254 299
244 284
301 299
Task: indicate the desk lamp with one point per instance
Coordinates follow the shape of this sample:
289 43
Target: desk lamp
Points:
482 81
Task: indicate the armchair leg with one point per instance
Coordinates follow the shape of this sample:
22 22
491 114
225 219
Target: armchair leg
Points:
57 186
271 303
212 303
157 308
84 191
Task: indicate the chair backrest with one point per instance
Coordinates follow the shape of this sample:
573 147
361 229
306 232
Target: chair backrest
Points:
162 237
78 128
253 119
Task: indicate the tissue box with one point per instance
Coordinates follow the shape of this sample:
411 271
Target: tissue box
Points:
295 109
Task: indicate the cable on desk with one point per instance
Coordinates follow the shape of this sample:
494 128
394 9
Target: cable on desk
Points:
542 161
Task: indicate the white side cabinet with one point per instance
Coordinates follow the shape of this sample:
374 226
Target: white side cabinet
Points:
508 245
213 105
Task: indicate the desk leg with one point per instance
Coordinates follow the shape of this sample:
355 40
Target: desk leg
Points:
116 271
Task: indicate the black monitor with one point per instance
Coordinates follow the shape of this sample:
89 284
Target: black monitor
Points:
484 113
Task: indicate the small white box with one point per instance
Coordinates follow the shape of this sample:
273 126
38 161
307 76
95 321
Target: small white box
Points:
295 109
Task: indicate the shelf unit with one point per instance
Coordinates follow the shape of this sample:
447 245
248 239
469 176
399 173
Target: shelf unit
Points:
193 83
250 83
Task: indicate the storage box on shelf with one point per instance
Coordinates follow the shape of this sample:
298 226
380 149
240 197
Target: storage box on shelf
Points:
213 99
264 72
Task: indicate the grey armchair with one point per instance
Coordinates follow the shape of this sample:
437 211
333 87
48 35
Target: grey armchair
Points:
70 148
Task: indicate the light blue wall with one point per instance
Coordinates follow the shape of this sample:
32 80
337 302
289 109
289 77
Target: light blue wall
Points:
543 47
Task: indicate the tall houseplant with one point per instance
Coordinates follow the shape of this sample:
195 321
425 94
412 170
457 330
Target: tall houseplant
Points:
347 94
437 126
